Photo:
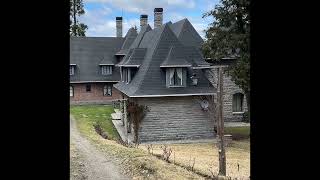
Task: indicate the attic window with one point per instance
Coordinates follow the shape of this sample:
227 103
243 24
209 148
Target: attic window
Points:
175 77
106 70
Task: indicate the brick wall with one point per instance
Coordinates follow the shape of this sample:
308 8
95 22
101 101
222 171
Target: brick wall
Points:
95 96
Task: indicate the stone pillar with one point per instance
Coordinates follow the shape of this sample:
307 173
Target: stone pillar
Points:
119 26
158 17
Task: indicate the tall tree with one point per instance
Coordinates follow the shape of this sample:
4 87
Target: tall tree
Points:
76 10
228 36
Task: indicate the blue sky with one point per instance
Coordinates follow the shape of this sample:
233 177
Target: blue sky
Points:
100 14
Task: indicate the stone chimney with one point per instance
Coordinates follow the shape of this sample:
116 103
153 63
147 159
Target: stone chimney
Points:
143 20
158 17
119 26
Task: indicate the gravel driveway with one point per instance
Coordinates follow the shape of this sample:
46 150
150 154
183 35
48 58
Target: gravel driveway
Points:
95 165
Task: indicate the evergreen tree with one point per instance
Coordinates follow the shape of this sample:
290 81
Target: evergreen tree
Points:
76 10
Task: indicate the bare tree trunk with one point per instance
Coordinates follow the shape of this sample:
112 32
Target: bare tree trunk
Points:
222 153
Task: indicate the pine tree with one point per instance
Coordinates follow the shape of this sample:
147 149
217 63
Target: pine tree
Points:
228 36
76 10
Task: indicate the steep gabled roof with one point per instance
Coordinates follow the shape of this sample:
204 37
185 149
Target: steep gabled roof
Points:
137 41
186 33
134 57
150 78
88 52
176 58
129 38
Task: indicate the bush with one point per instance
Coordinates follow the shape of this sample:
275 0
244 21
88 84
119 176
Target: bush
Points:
245 117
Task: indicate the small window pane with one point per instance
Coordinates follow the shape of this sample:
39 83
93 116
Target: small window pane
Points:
106 70
88 87
237 102
107 90
71 91
71 70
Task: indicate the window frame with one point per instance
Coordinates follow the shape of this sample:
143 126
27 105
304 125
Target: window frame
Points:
88 86
175 77
106 70
71 91
237 98
71 70
106 89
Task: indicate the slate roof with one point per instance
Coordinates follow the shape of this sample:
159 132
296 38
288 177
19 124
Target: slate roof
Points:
186 33
171 44
134 57
129 38
150 78
88 52
176 58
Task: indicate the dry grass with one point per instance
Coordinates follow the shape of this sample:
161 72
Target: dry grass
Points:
77 169
206 157
135 162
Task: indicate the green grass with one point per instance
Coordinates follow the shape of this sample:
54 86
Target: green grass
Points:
96 114
238 132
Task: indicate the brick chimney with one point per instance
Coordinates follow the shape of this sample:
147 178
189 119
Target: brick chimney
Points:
119 26
158 17
143 20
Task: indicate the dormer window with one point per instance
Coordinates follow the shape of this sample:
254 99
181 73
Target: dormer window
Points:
128 74
106 70
72 67
71 70
176 77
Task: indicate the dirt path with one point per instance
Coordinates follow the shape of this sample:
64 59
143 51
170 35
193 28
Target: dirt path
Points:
97 166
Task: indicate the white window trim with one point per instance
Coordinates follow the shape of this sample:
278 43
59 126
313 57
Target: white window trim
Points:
240 112
106 70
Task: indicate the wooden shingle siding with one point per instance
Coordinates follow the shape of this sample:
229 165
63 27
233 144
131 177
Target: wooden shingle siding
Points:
174 118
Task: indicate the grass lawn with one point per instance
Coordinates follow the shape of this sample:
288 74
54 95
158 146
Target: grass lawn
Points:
205 157
92 114
238 133
134 161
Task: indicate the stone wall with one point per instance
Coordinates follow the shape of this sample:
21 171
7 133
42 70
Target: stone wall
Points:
229 88
174 118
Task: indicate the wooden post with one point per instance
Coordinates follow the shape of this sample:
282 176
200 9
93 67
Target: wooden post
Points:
125 118
220 123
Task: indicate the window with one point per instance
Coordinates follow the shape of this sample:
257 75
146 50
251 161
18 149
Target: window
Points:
107 90
88 87
127 74
237 101
175 77
106 70
71 70
71 91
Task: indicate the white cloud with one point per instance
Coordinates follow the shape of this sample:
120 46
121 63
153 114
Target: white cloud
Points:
182 3
145 6
100 22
